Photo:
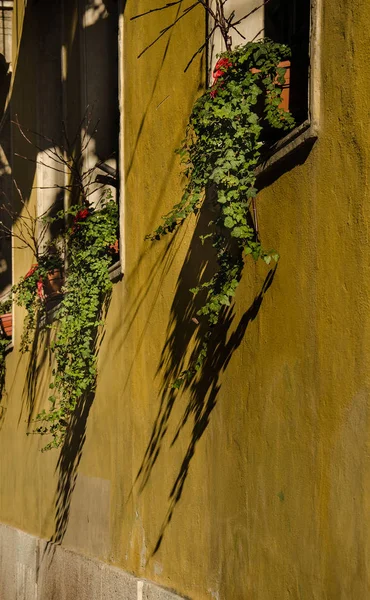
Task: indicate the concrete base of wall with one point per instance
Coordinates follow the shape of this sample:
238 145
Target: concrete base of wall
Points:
32 569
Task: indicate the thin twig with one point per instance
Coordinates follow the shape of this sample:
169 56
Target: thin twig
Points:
238 32
38 162
186 11
41 136
201 48
208 9
255 215
251 12
168 5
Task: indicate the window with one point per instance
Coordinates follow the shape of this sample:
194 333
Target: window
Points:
99 59
297 24
99 76
6 12
288 22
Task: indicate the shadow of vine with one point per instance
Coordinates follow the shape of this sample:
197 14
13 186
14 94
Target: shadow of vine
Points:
67 469
38 356
71 451
67 466
185 337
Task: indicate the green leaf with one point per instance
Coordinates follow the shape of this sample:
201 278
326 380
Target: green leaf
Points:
229 222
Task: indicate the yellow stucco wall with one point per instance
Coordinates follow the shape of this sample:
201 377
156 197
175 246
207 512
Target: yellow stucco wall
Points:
264 493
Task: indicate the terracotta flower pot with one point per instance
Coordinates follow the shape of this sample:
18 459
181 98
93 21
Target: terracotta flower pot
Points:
114 248
285 94
6 321
53 283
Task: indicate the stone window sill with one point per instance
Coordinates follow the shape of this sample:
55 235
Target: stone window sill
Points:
51 313
115 271
305 133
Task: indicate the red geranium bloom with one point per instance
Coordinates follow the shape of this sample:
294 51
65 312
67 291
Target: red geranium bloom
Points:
220 69
81 215
31 271
40 288
114 248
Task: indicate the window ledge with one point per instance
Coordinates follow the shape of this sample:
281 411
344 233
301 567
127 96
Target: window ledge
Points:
115 271
306 132
51 312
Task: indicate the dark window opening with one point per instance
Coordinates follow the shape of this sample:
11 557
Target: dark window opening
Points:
288 22
100 52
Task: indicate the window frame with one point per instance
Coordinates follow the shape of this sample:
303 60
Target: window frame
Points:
309 130
116 270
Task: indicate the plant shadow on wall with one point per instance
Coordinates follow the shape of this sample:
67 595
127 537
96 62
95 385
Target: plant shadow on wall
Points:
183 333
202 389
68 332
71 452
230 128
87 236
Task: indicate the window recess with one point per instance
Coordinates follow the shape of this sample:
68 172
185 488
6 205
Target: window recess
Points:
288 22
297 24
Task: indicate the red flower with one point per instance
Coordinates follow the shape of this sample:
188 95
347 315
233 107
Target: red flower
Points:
81 215
114 248
220 69
40 288
31 271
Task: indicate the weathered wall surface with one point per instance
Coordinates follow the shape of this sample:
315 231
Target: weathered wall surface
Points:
255 483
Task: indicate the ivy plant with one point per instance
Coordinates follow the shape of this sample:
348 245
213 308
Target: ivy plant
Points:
5 307
221 151
91 241
29 291
82 251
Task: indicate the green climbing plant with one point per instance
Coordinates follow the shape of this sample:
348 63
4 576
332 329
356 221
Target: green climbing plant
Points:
91 242
29 291
221 151
5 307
72 269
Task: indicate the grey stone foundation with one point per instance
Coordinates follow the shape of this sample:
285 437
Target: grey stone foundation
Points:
32 569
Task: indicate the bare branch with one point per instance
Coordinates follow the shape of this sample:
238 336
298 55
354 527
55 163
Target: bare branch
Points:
85 119
186 11
24 203
208 9
16 122
53 187
201 48
250 13
238 32
38 162
168 5
88 136
257 34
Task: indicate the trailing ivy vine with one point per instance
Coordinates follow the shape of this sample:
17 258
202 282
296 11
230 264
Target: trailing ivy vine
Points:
29 292
221 150
5 340
91 240
72 269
